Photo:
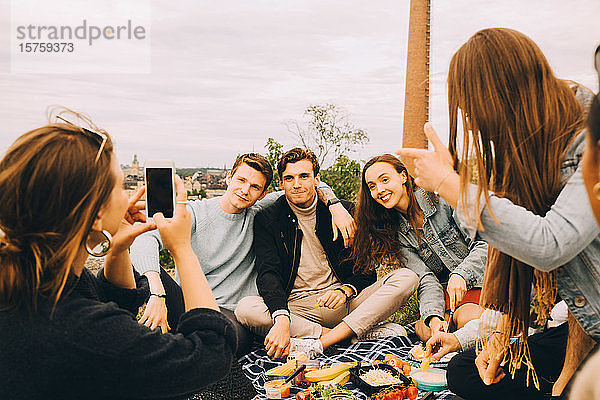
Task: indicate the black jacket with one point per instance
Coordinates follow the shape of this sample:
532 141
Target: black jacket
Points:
277 243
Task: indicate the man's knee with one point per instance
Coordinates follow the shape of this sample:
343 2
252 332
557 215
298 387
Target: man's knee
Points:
252 311
404 279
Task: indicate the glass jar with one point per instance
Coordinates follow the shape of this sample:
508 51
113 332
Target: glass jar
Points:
300 379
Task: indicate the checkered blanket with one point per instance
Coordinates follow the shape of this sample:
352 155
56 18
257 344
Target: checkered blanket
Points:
257 363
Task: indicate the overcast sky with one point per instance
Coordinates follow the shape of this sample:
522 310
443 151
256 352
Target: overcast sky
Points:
226 75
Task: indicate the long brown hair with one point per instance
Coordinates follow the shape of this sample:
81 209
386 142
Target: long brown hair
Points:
376 237
517 122
51 190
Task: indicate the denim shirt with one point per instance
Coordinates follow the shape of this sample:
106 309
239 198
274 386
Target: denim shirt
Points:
565 239
444 247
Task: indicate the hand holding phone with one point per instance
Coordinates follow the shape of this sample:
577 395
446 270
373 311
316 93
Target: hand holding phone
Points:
175 233
160 187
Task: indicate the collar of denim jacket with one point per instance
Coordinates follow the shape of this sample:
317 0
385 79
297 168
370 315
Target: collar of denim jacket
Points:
426 206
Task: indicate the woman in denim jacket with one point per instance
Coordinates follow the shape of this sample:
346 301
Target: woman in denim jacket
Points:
399 223
586 383
541 138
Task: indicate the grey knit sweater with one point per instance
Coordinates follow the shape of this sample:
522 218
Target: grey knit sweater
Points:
223 244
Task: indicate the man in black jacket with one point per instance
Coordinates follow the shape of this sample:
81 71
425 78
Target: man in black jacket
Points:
307 284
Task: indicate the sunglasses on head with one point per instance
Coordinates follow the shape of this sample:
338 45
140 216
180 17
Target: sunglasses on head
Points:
98 135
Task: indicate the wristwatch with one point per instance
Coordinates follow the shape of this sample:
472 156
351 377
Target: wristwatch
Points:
333 201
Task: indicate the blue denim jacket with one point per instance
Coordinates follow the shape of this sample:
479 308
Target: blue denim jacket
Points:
443 245
566 238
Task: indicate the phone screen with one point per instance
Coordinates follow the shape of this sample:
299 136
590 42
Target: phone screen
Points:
159 191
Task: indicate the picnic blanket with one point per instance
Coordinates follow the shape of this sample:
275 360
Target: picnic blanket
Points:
257 363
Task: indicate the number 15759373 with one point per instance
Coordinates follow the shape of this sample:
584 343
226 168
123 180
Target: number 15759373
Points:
41 47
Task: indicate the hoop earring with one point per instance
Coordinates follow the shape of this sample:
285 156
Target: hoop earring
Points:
103 245
596 190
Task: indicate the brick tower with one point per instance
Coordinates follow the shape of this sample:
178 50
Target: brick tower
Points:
416 98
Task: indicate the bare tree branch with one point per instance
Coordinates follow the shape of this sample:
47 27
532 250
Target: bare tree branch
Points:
328 133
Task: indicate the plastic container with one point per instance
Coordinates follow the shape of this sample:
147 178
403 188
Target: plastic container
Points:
276 389
356 372
429 385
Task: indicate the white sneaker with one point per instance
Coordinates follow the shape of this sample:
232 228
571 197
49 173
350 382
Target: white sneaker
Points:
382 330
311 347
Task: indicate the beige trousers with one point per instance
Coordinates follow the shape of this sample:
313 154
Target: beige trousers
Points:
373 304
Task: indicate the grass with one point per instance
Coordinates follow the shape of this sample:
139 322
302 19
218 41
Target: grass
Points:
409 312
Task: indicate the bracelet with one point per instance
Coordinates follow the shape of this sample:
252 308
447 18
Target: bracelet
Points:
343 291
440 184
162 296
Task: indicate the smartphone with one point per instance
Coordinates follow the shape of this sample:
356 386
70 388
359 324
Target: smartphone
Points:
159 177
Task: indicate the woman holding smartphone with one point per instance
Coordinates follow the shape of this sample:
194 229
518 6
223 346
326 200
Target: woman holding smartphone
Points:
66 333
586 384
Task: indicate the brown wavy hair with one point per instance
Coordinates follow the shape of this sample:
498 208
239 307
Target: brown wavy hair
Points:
51 190
376 237
255 161
293 156
518 120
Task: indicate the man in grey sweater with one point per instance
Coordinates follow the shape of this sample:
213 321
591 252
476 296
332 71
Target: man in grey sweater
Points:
222 236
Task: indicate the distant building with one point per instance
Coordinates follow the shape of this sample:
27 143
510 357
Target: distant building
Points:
134 177
214 192
135 166
188 184
196 186
209 179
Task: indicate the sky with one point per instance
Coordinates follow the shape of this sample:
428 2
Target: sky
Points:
225 75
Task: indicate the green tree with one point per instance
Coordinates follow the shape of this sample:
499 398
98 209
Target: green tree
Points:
165 259
343 178
200 193
328 133
274 153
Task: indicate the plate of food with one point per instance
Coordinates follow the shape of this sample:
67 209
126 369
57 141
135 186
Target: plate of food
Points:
418 353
